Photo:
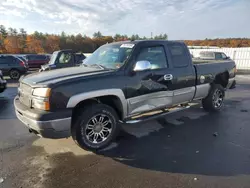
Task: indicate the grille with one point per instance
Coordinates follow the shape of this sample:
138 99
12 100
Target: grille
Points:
25 92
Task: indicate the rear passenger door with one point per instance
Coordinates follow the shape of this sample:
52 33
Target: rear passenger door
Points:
183 72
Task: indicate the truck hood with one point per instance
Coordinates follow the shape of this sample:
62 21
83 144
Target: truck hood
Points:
54 76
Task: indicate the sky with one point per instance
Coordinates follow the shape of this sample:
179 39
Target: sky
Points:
180 19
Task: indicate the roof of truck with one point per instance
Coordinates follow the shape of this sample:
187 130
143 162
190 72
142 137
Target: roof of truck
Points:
144 41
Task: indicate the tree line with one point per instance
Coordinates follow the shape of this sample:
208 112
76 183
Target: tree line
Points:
18 41
229 42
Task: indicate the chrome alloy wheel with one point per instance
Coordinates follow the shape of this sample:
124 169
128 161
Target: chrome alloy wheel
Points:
218 98
98 129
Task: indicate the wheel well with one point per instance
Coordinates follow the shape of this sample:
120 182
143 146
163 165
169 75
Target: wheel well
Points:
14 69
110 100
222 79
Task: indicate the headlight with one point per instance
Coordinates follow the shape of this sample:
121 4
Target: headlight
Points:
41 98
42 92
40 103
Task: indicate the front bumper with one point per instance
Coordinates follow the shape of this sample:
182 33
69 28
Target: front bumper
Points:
42 123
231 83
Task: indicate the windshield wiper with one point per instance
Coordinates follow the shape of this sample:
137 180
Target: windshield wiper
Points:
98 65
95 65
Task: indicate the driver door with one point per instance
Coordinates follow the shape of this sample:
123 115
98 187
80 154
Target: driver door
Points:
150 89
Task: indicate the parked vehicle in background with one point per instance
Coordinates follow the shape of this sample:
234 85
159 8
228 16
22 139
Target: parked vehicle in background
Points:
22 58
3 83
36 60
209 55
120 83
63 59
12 66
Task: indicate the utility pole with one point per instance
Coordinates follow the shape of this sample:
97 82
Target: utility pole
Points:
151 35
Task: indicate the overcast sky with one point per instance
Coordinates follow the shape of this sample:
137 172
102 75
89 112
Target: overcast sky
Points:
180 19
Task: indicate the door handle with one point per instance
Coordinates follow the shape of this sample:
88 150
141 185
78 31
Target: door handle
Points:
168 77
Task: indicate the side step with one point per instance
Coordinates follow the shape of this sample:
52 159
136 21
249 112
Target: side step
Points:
154 114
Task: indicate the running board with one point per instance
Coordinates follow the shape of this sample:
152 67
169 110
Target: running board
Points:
154 115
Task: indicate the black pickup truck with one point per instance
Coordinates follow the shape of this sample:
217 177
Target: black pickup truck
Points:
63 59
120 83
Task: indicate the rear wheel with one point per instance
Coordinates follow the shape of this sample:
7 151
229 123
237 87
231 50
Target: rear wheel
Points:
14 74
214 101
96 127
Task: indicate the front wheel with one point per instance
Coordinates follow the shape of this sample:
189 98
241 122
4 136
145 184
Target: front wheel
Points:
96 127
214 101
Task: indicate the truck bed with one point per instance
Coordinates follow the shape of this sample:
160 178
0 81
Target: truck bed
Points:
202 61
213 68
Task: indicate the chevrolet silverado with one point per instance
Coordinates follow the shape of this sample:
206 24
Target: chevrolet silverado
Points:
120 83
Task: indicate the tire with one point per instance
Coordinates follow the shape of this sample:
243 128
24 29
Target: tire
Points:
14 74
82 127
214 101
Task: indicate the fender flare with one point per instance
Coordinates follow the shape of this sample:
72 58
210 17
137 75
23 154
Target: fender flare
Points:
76 99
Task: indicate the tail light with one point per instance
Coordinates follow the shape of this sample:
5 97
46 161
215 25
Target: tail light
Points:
22 63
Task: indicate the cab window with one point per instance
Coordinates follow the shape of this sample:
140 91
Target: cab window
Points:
155 55
65 58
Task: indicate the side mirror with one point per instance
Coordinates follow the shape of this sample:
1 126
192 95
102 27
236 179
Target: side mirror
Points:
142 65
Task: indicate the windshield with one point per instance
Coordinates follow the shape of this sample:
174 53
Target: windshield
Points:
53 58
110 56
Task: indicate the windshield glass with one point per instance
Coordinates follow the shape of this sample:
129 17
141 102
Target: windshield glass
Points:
110 56
53 58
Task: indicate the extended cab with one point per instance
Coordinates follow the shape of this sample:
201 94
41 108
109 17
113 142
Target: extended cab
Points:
63 59
123 82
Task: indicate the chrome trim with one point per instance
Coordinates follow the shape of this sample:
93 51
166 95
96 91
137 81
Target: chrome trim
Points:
159 94
142 65
168 77
149 102
202 91
184 91
147 118
74 100
183 95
